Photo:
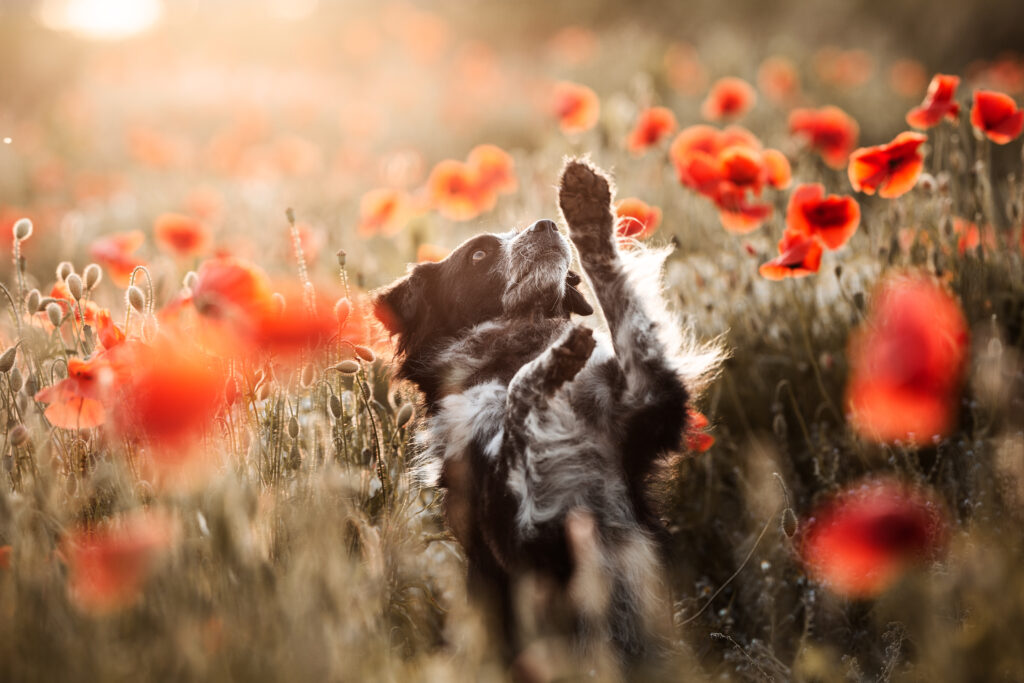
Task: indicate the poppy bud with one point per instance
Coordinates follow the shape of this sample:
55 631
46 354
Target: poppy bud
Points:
263 391
342 309
136 299
54 313
32 300
334 403
31 385
365 353
289 213
308 375
75 286
789 523
191 279
341 257
365 388
17 381
64 268
293 427
347 367
22 229
93 274
7 359
405 414
19 435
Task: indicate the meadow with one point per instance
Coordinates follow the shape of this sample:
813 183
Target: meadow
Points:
205 463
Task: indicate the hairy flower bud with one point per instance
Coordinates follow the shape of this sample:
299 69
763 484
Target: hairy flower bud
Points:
293 427
17 381
308 375
405 413
347 367
334 403
93 274
342 309
64 268
19 435
136 299
54 313
341 257
75 286
7 359
22 229
365 353
32 300
191 279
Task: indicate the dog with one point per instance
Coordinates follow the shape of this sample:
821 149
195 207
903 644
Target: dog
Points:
544 432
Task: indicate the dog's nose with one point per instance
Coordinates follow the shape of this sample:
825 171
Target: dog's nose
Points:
544 225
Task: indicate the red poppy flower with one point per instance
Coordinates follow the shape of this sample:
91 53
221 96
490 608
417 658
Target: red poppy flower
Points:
169 396
494 168
297 327
683 69
694 152
778 172
863 540
230 288
651 127
108 567
970 236
110 335
799 255
115 254
778 79
181 235
729 98
77 402
576 106
636 218
938 103
844 68
891 169
697 438
832 219
382 211
456 191
907 362
737 214
997 116
431 252
907 77
829 130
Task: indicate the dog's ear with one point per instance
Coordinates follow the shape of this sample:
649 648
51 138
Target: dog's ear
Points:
573 301
403 305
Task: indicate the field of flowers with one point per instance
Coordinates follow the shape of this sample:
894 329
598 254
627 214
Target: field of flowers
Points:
205 459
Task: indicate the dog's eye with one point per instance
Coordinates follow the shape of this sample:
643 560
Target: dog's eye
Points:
479 255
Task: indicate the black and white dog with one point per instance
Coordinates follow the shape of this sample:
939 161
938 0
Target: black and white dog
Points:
544 433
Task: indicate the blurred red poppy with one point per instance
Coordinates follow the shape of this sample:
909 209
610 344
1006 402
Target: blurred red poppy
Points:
651 127
296 325
829 130
383 211
431 252
799 255
115 254
864 539
230 288
636 218
997 116
907 77
494 168
697 438
907 362
891 169
778 172
844 68
938 103
576 107
832 219
77 402
110 335
456 191
109 566
181 235
778 79
970 236
729 98
683 69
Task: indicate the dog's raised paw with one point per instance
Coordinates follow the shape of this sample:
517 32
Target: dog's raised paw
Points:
585 195
572 353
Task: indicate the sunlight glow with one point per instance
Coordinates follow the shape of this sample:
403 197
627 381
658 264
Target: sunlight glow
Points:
101 19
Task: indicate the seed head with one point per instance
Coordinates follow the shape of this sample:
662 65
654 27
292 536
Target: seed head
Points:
7 359
22 229
64 268
32 300
191 279
347 367
789 523
136 299
75 286
341 257
54 313
93 274
405 414
19 435
365 353
293 427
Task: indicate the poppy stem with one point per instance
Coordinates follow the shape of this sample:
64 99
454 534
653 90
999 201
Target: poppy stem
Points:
805 334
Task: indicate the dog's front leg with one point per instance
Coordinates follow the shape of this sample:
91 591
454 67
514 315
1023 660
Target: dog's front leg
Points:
537 381
653 389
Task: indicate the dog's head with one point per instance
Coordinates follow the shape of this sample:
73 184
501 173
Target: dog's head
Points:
513 274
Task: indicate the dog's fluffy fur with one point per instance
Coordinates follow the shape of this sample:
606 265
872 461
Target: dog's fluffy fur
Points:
544 433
